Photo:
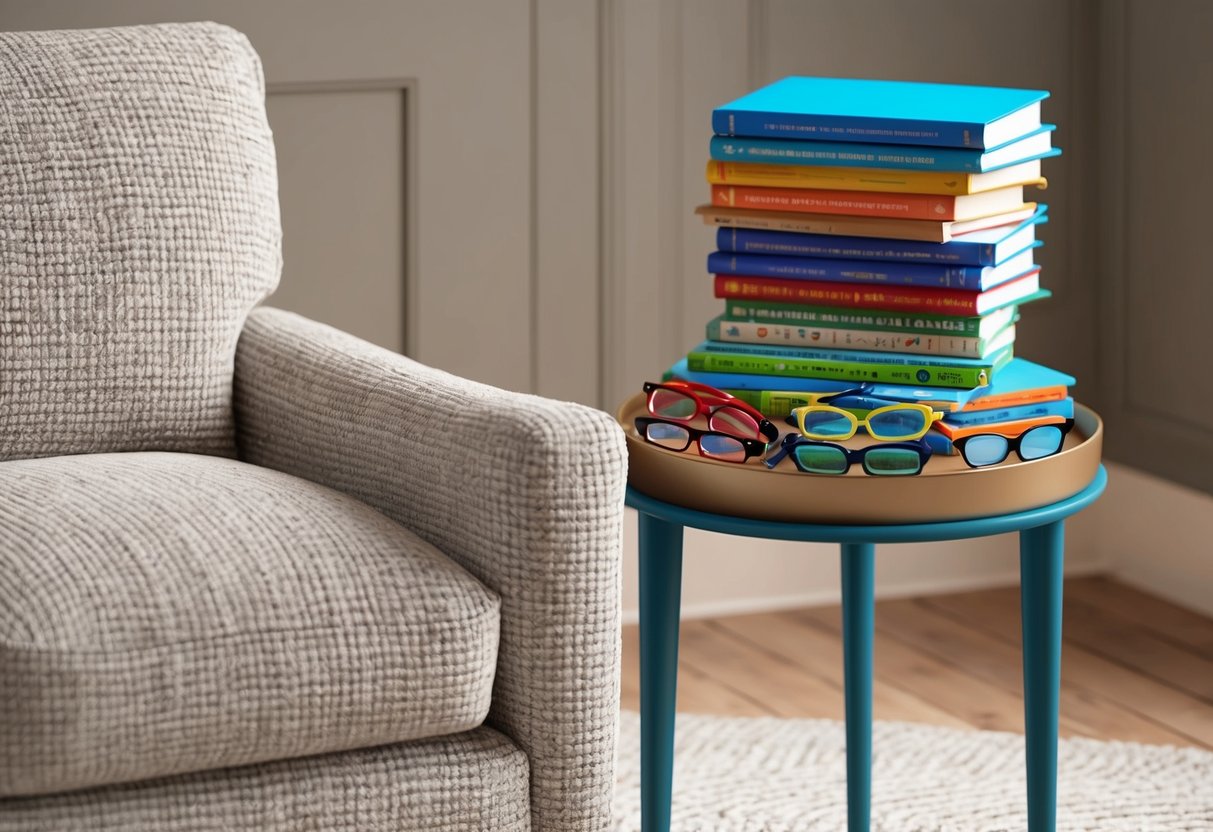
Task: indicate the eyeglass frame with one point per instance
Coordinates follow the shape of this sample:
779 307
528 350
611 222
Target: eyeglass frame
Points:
691 389
752 447
1014 443
930 416
852 455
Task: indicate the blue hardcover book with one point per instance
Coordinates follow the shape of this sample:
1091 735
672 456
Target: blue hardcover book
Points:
945 398
989 247
892 112
965 278
1063 407
1037 145
1021 376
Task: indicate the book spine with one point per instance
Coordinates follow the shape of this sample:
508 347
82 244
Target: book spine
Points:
1062 407
888 180
847 271
897 299
839 154
745 332
790 244
772 403
830 317
927 375
804 126
844 203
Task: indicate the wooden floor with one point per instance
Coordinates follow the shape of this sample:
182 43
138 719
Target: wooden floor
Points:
1134 667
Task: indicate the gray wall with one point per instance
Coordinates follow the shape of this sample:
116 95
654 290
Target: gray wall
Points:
505 189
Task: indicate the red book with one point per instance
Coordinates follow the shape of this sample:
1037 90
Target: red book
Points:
863 296
870 204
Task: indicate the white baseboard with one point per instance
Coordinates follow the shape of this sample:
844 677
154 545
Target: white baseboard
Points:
1155 535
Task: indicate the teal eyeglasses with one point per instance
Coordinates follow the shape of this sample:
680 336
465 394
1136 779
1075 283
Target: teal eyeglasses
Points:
888 459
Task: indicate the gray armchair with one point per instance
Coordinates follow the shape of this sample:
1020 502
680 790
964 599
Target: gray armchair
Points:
256 574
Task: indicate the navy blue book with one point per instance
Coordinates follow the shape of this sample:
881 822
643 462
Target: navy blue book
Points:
1036 145
891 112
988 247
884 272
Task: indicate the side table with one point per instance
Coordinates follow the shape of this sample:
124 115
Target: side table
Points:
1041 548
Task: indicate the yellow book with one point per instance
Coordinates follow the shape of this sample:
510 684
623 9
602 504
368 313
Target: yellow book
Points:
873 179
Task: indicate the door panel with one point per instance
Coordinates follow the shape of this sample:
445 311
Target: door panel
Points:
341 160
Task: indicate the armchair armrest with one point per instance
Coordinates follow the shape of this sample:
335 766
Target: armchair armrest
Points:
525 493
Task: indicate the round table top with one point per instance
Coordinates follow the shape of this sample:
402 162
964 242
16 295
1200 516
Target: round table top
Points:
871 533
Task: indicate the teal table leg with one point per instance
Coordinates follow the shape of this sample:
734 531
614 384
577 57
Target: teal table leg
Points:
660 599
858 567
1041 555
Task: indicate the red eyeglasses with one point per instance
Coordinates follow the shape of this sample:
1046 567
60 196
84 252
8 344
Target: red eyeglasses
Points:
684 401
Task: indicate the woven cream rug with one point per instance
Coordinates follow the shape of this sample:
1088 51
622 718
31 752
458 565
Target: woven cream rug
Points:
784 775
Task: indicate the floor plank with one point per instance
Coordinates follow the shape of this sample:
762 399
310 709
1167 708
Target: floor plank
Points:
1116 639
1162 618
1134 666
787 690
1000 662
1154 700
820 653
697 692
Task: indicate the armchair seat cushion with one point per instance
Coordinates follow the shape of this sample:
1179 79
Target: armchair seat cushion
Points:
163 613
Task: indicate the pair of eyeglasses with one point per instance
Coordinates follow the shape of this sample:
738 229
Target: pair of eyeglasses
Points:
898 422
712 444
896 459
684 401
982 449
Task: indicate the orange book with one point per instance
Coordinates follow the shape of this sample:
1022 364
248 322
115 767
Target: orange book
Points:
1008 429
1037 396
870 204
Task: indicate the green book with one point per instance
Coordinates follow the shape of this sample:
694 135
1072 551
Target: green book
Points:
846 365
760 311
881 340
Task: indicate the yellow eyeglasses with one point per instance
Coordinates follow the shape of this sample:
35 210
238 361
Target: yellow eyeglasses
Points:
892 423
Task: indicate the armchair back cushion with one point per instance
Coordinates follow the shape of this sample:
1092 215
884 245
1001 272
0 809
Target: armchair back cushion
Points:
139 226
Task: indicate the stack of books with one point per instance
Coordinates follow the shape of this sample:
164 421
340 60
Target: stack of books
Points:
878 232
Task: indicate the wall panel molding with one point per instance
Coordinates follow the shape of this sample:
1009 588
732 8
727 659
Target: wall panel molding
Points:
374 324
1154 407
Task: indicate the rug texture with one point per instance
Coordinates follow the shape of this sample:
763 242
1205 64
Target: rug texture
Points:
784 775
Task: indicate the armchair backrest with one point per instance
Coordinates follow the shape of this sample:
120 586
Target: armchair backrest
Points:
139 226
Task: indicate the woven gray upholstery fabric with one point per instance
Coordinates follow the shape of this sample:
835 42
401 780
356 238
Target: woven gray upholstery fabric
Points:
525 492
162 613
138 226
470 782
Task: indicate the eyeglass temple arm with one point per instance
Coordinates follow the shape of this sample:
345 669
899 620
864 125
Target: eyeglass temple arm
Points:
785 447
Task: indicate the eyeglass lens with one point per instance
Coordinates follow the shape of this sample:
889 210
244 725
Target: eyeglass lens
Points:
722 447
986 449
821 459
733 420
1040 441
892 462
670 404
897 423
674 437
827 423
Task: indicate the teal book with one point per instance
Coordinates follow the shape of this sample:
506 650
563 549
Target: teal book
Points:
1023 382
847 365
888 112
